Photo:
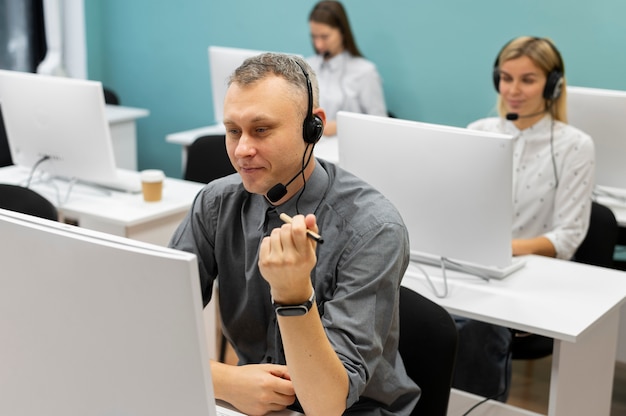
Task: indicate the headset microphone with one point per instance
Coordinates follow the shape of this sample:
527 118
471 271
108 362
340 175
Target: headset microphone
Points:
279 190
515 116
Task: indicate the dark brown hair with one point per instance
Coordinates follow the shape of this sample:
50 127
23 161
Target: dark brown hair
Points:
333 14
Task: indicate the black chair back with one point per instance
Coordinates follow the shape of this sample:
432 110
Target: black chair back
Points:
207 160
598 247
5 152
19 199
428 346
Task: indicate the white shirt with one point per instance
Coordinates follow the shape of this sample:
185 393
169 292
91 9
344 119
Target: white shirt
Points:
348 83
559 213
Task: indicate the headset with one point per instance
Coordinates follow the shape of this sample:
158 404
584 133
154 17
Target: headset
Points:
312 130
313 127
554 80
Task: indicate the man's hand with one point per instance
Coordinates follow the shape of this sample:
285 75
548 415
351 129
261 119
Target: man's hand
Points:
254 389
286 259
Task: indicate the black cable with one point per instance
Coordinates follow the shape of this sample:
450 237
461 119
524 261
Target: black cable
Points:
506 381
305 163
556 176
32 171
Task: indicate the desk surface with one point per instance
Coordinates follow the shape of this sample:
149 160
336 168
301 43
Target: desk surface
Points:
112 206
228 410
119 114
185 138
576 304
556 298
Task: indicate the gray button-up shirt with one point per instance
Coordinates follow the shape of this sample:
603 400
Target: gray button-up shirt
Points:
356 279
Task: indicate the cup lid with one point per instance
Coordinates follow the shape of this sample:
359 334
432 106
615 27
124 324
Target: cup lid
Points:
152 175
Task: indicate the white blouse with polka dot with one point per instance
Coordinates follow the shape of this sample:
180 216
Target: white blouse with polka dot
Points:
546 203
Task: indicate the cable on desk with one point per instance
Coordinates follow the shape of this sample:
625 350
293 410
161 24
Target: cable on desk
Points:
432 285
467 269
34 168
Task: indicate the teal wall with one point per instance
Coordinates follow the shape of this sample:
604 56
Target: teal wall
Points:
435 56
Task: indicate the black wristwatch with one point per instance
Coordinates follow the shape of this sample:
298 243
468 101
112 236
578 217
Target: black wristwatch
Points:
295 310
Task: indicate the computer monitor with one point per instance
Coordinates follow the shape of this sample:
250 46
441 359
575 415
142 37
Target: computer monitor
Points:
452 186
94 324
601 113
58 125
222 63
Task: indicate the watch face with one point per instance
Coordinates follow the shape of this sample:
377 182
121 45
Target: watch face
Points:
298 310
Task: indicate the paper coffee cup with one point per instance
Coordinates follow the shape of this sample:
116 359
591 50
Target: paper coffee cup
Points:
152 184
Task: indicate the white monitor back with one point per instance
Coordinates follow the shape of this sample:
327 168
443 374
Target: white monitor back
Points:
94 324
452 186
62 118
222 63
602 114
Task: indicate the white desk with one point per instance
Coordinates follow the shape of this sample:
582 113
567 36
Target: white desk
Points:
122 124
117 213
229 410
576 304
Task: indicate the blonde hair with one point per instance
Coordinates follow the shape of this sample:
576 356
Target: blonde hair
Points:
546 56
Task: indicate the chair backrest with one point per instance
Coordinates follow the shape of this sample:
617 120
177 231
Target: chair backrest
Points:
5 152
110 97
428 346
25 200
207 160
598 247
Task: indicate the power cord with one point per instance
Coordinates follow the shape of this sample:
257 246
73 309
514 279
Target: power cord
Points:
432 285
34 168
443 263
466 269
506 382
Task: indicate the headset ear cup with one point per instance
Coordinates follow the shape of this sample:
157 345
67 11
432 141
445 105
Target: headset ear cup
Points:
554 84
313 129
496 78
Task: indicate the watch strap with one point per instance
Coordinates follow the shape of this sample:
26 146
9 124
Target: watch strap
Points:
295 310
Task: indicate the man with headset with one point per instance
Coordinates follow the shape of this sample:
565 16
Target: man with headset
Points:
313 325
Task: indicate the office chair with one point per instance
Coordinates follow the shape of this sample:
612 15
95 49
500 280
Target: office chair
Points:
20 199
207 160
428 345
5 152
110 97
597 249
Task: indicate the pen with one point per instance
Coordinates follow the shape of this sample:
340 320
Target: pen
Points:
287 219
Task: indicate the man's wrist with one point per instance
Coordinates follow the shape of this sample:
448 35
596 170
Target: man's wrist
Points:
297 309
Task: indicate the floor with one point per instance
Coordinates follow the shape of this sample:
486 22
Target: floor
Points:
530 386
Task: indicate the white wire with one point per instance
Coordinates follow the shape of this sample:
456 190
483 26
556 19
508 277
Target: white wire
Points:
432 285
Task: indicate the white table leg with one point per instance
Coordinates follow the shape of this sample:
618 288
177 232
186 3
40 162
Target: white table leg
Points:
582 372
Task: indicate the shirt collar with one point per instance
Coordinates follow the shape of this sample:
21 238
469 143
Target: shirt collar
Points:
337 62
312 196
511 128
